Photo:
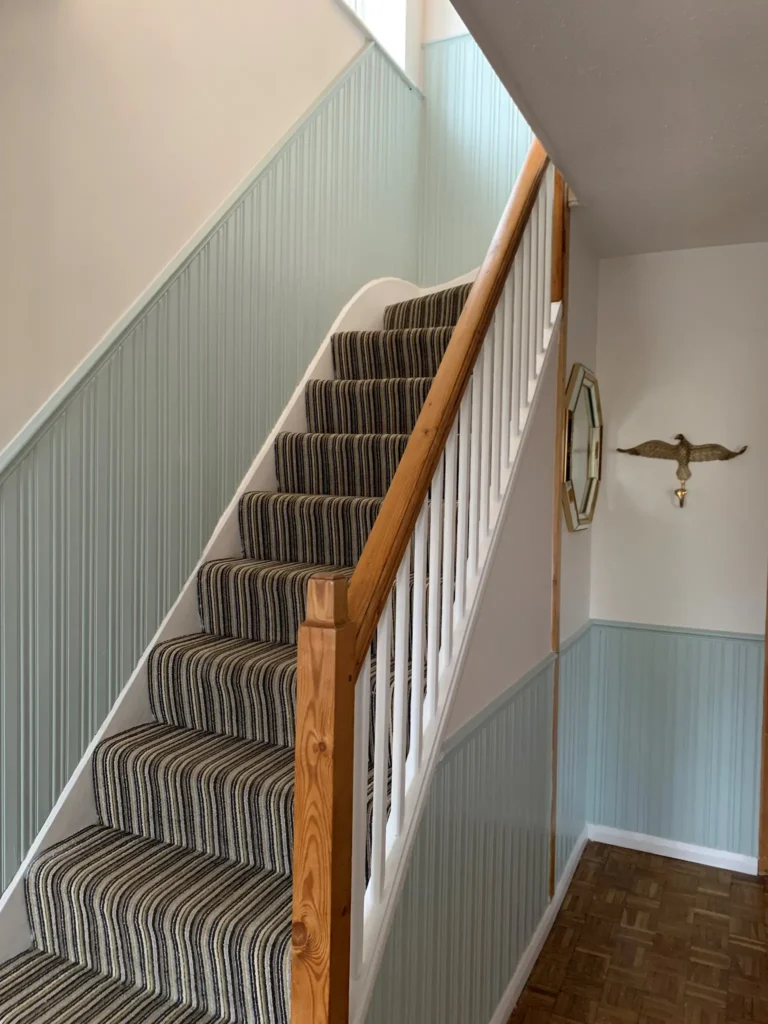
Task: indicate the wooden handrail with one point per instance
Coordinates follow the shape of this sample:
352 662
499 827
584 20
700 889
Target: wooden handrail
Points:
371 584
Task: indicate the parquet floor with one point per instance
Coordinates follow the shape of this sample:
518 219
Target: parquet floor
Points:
642 939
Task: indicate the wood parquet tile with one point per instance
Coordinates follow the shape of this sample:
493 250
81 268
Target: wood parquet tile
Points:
641 939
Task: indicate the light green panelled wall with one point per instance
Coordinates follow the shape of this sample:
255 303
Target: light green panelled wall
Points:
674 740
658 734
477 882
572 755
104 513
475 141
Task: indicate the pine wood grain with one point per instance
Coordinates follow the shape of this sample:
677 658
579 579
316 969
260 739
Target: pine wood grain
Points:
322 860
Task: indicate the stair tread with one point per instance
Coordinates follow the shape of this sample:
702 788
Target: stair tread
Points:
37 988
226 685
210 933
219 795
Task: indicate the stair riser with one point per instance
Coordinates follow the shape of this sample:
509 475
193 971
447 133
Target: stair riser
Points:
283 528
325 464
240 808
213 690
365 407
432 310
382 355
266 605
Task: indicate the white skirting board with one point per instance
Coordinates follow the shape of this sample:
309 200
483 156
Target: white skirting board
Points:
671 848
531 955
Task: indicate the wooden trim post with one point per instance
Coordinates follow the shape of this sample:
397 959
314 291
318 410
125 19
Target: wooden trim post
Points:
560 250
322 859
762 845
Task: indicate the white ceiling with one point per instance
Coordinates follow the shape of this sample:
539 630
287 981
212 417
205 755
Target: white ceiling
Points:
655 110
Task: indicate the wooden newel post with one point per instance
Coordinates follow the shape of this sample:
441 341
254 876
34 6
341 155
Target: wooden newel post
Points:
322 859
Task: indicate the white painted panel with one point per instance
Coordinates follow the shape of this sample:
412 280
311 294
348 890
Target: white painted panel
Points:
682 348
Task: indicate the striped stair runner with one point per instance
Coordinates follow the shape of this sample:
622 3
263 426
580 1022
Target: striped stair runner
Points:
176 907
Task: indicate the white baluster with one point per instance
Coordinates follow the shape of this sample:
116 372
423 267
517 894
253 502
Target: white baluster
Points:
449 545
533 304
360 811
517 348
474 473
400 697
418 641
433 600
497 387
486 355
507 316
381 752
541 300
525 324
462 503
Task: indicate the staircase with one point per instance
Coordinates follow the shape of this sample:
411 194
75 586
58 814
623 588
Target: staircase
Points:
176 906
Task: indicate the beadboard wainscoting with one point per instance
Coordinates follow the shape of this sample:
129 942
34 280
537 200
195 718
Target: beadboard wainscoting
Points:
674 735
572 732
476 889
104 512
475 141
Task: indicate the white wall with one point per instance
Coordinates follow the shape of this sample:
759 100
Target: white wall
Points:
582 348
124 126
682 348
512 632
441 21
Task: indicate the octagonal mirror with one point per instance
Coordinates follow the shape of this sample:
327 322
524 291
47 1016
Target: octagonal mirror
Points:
583 445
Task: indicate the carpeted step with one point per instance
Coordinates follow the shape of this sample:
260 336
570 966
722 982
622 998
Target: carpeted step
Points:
365 406
323 530
360 465
264 601
208 933
366 355
438 309
227 686
215 795
37 988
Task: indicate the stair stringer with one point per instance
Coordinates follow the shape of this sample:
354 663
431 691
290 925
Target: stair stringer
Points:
75 808
379 921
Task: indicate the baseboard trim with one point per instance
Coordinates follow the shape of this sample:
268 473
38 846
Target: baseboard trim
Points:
671 848
531 954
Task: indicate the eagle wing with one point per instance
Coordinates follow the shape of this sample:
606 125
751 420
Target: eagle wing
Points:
654 450
714 453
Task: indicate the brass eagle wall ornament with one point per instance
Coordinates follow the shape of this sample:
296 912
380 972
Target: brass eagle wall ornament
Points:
683 453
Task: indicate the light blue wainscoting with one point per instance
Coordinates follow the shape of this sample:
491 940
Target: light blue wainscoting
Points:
477 883
105 511
475 142
675 734
572 738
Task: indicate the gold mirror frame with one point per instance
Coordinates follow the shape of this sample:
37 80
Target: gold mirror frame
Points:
582 387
